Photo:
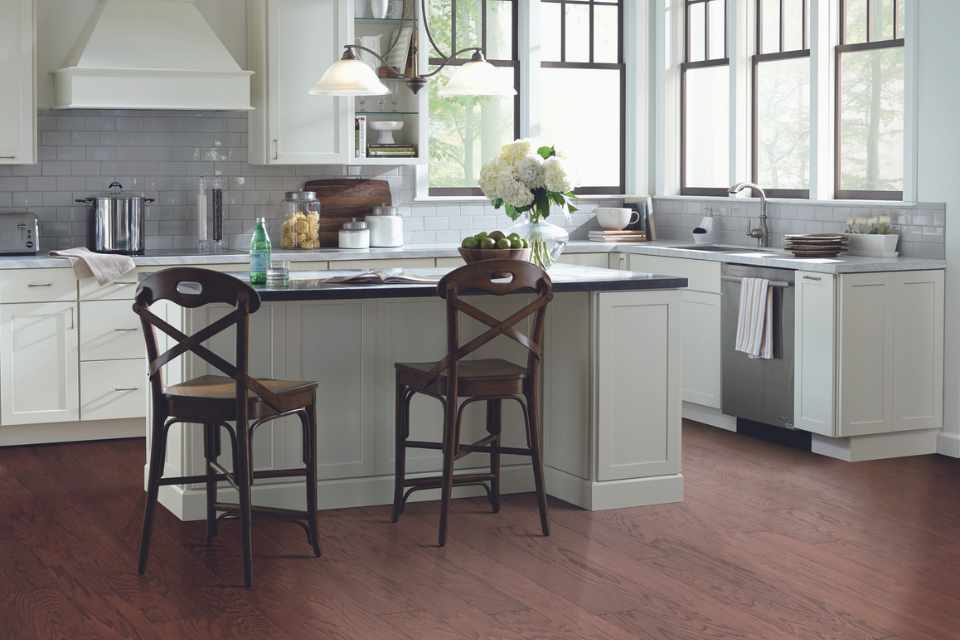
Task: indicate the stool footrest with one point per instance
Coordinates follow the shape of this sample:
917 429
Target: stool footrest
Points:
266 473
273 512
434 482
468 448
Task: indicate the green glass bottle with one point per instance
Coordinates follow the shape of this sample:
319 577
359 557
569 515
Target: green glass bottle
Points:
260 250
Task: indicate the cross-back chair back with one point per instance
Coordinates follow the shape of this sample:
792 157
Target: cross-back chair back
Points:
496 277
193 288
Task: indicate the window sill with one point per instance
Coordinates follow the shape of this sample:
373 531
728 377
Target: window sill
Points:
483 199
886 204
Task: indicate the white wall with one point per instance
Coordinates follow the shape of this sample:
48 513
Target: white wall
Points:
938 50
61 22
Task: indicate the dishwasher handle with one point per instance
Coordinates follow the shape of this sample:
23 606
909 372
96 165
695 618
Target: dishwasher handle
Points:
776 284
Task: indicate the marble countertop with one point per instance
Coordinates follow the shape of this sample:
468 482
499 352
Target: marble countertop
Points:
769 258
566 278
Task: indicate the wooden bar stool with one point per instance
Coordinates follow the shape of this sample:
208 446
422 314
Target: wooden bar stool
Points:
457 383
214 400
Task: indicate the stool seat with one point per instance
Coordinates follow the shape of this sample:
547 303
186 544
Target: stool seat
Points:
218 394
482 377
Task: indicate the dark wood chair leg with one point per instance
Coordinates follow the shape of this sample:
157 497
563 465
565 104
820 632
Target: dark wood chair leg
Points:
401 433
242 476
310 460
534 430
211 452
494 428
158 453
449 454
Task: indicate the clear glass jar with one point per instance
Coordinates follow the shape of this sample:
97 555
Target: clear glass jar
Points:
301 221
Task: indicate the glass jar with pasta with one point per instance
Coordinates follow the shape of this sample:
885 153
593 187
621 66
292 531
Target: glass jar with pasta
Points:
301 222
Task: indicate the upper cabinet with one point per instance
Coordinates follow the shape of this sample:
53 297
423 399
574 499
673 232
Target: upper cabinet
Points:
18 111
290 44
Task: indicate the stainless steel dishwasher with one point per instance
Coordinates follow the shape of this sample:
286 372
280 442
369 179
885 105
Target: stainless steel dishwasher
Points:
758 390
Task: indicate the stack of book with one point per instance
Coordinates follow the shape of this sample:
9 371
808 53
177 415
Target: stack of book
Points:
626 235
392 151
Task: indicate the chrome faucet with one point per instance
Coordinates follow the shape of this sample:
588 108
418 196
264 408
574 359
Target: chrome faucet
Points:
761 233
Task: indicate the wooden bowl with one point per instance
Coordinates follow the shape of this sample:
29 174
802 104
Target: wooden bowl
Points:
476 255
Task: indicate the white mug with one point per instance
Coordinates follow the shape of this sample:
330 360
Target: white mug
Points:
615 218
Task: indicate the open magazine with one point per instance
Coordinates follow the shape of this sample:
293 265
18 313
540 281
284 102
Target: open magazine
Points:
380 276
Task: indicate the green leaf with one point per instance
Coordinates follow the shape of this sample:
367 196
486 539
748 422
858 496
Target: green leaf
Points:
546 152
497 203
571 208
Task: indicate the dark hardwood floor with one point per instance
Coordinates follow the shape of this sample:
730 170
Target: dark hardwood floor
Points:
770 543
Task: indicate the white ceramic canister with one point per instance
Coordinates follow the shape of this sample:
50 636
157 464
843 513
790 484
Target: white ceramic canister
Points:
354 235
386 227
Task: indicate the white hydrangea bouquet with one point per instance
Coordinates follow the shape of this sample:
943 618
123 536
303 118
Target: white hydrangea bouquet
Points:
524 181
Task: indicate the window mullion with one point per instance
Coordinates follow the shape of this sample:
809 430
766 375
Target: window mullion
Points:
825 33
738 51
528 53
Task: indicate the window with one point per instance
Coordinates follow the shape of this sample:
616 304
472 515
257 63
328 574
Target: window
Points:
869 156
705 100
781 99
582 89
467 132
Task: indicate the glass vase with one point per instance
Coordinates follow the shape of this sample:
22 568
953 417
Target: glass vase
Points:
546 239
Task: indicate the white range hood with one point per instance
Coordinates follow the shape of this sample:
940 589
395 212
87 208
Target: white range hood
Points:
150 54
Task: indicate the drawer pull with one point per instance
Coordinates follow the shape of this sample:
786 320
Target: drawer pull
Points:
814 278
121 389
8 157
40 284
123 330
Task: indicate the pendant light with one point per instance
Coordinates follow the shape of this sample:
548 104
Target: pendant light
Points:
351 77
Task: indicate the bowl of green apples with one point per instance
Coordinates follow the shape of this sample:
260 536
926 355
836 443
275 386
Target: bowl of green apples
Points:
495 245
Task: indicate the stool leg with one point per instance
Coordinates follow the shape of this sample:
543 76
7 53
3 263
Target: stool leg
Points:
534 430
401 433
158 453
494 428
242 476
211 452
449 453
309 419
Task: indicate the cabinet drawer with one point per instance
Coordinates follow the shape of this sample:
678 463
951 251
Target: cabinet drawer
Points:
109 330
123 289
701 275
38 285
113 389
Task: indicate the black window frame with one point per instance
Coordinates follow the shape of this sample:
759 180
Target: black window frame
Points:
844 47
758 58
591 64
686 65
436 57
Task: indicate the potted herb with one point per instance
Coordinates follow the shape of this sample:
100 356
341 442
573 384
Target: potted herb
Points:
872 236
527 183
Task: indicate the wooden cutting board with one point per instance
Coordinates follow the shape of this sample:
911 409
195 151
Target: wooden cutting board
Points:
344 198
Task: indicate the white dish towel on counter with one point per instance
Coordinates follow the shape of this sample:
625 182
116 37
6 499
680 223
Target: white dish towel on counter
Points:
105 267
755 321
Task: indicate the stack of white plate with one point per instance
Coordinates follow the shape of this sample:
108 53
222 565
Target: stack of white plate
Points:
815 245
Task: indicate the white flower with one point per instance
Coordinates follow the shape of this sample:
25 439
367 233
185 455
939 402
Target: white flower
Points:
555 176
517 195
530 171
488 180
515 151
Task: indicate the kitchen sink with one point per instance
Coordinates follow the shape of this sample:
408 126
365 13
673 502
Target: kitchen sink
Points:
714 248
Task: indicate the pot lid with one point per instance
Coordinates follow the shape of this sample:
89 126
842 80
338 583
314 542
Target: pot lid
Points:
115 191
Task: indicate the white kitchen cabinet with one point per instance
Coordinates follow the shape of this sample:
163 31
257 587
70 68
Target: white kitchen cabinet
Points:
700 335
586 259
638 419
18 105
869 353
699 327
290 44
39 377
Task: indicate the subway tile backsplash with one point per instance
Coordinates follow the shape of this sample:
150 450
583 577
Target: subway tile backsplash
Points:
167 155
921 225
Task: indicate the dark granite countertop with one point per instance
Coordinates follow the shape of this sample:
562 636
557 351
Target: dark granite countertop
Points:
566 278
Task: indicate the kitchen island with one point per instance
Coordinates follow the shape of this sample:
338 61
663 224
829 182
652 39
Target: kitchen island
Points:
611 390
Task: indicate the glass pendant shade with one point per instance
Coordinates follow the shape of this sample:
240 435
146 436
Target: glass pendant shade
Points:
349 77
476 78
